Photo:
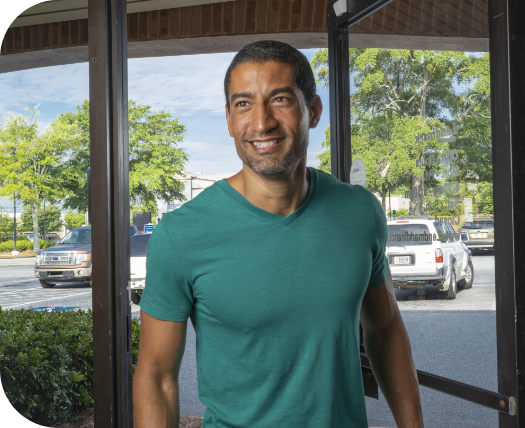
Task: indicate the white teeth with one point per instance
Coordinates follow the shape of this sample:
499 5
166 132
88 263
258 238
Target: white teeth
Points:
264 144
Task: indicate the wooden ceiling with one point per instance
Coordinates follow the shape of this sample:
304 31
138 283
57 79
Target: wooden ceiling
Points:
222 26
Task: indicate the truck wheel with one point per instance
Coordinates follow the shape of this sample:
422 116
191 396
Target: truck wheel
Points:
469 279
452 289
46 284
135 298
90 282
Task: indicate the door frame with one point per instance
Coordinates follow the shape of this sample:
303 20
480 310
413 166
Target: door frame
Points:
507 44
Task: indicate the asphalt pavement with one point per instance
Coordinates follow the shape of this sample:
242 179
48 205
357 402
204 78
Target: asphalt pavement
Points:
452 338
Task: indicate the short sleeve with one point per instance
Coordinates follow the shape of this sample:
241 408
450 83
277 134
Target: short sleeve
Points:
168 294
379 259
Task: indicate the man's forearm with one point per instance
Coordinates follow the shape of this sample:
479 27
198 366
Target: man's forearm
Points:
390 355
156 402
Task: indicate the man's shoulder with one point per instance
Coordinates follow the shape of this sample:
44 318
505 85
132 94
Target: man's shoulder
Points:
205 204
333 188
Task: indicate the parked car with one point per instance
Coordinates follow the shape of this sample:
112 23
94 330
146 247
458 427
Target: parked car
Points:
69 260
478 234
422 251
138 247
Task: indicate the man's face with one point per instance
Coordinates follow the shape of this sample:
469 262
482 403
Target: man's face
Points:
268 118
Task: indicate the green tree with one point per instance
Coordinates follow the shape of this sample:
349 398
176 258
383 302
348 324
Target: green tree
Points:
154 158
485 200
7 227
30 160
52 217
397 95
74 220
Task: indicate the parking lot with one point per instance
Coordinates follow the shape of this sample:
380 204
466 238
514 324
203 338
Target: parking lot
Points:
452 338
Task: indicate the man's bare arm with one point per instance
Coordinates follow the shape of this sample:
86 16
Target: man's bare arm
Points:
156 382
390 354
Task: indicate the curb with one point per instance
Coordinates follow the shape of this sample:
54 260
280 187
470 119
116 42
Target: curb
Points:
18 257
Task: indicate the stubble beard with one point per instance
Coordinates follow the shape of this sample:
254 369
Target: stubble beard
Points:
268 164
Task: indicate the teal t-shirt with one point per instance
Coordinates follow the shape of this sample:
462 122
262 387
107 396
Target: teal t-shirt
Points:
274 301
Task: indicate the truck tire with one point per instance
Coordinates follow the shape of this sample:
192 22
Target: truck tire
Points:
135 298
469 279
90 282
453 287
45 284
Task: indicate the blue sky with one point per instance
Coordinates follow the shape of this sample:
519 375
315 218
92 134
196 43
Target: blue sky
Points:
189 87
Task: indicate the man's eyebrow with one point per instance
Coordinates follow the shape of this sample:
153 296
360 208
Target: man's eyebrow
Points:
281 90
241 95
285 89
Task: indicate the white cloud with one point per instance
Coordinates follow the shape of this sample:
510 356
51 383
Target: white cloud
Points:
184 85
211 158
67 84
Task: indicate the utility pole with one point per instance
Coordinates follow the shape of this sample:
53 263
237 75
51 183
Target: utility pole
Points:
191 187
389 201
15 251
44 219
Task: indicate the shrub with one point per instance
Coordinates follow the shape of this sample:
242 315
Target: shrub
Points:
23 245
46 362
400 213
22 237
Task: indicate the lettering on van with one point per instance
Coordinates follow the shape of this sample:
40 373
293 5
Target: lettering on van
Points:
425 237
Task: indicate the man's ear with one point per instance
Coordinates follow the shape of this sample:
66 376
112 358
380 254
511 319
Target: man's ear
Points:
228 119
316 109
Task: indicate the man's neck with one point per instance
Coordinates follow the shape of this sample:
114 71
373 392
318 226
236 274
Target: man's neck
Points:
280 195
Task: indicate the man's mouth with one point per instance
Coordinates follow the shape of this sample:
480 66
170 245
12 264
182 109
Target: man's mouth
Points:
262 144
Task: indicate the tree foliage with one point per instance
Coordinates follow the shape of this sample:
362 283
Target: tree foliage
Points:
154 158
30 160
398 94
52 218
73 220
7 227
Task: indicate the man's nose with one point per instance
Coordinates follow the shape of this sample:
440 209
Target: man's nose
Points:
263 119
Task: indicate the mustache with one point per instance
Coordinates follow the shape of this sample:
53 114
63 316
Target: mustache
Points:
274 135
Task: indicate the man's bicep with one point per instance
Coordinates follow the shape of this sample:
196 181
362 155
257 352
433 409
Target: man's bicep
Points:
162 344
379 307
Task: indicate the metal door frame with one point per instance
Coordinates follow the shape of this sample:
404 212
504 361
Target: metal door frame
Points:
507 46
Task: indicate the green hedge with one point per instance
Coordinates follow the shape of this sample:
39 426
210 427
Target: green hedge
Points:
8 246
46 362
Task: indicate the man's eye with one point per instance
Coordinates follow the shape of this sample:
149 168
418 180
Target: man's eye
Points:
242 104
281 99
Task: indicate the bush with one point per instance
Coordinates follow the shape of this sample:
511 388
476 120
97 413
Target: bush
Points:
46 362
400 213
22 237
23 245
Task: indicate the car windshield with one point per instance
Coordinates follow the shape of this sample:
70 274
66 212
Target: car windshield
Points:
77 236
404 235
480 224
138 244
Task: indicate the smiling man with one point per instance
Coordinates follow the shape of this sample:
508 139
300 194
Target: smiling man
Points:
275 267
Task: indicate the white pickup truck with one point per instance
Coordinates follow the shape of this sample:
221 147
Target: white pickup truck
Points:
423 251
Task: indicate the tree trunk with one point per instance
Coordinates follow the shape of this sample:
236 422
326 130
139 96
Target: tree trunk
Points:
417 196
36 235
424 90
383 200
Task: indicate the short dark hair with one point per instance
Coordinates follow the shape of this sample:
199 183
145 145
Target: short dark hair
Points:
270 50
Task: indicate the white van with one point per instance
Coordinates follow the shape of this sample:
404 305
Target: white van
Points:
425 251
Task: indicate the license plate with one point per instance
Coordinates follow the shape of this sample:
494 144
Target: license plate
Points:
404 260
480 235
137 284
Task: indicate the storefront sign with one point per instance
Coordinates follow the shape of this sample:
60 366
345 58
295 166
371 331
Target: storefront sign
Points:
358 172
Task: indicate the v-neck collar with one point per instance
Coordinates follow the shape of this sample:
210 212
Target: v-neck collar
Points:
285 221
